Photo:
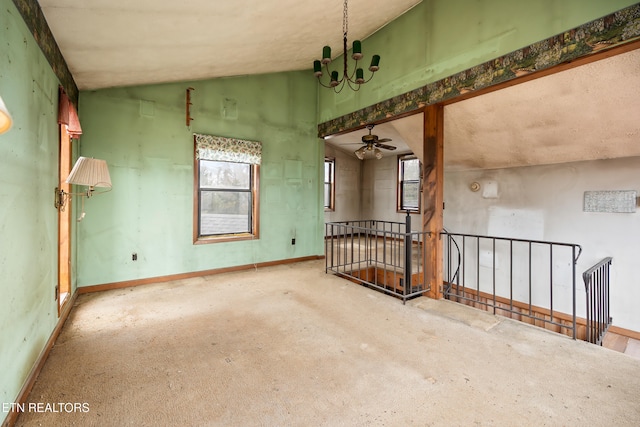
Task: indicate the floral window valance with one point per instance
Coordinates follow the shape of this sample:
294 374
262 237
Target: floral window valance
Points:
209 147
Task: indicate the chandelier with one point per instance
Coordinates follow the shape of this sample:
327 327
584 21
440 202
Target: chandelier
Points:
356 77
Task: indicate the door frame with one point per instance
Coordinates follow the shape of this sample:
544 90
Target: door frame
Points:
63 286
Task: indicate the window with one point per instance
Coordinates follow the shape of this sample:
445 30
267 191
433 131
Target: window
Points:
226 189
329 184
408 183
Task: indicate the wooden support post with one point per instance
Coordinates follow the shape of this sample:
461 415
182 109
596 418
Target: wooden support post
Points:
432 195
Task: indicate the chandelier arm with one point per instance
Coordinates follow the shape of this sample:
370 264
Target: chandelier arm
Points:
338 87
353 72
353 86
329 74
372 74
323 85
341 86
326 66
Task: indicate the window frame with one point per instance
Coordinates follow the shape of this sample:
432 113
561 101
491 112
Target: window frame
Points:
254 209
331 183
399 188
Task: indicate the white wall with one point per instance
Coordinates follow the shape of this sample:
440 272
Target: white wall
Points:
366 189
379 188
347 186
546 203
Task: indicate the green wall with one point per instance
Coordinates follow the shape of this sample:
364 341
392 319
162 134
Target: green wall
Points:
142 134
439 38
28 220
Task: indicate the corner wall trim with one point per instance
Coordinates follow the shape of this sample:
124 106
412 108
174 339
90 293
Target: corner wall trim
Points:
12 417
180 276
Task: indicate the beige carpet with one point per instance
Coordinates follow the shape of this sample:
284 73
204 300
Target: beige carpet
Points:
289 345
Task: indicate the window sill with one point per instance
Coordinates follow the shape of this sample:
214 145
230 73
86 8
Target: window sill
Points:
404 211
224 238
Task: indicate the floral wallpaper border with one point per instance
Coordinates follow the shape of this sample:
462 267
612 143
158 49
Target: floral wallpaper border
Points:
220 148
37 24
612 30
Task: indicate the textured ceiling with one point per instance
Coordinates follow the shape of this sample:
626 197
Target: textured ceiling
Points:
402 132
589 112
586 113
130 42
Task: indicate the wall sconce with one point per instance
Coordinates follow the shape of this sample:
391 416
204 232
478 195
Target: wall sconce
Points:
87 171
5 118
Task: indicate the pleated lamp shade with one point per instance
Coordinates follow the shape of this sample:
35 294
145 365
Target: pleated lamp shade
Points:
5 117
91 172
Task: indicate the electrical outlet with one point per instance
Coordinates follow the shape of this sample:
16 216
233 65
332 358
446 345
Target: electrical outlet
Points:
134 256
293 241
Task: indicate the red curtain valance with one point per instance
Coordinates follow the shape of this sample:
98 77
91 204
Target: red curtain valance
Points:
67 115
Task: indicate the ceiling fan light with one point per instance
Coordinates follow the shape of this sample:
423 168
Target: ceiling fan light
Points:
378 153
360 153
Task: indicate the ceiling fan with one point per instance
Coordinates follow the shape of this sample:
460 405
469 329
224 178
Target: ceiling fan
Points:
373 143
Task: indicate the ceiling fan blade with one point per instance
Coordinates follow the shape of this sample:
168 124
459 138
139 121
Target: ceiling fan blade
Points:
385 140
386 147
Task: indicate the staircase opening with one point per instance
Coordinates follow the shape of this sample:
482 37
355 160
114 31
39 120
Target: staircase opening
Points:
383 255
531 281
